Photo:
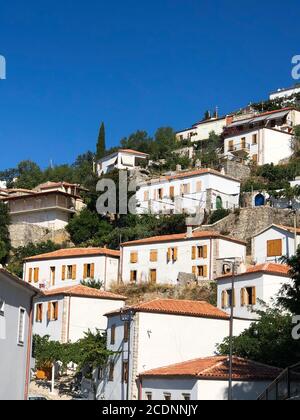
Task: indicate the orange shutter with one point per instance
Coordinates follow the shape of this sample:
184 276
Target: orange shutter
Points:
274 248
85 271
205 271
253 296
205 251
172 192
243 297
30 275
134 257
56 311
169 254
92 271
175 254
194 252
194 270
153 256
49 311
74 272
36 275
224 299
63 273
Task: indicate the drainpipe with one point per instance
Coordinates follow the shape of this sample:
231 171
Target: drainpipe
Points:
29 348
105 273
69 317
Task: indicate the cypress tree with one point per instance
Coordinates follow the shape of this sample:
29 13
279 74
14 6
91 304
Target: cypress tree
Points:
101 146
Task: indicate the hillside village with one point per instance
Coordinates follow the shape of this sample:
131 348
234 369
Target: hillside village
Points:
207 251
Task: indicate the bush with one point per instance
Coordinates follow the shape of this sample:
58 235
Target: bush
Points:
218 215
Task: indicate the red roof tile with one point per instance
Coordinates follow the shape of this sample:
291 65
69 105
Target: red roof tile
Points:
267 268
199 309
75 252
83 291
183 237
188 175
218 368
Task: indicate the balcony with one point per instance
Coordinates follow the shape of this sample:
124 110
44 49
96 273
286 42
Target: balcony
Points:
239 148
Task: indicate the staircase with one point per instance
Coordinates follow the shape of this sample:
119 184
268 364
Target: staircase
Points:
285 388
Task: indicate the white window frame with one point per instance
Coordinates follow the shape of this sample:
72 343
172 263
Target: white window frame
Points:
2 307
21 342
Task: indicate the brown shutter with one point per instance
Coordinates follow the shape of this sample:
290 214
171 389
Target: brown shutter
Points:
253 296
205 251
169 254
30 275
172 192
274 248
224 296
205 271
36 275
74 272
199 186
92 271
63 273
133 257
56 311
85 271
153 256
175 254
194 252
195 270
49 312
243 297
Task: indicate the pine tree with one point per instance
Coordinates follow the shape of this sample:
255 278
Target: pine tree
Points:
101 146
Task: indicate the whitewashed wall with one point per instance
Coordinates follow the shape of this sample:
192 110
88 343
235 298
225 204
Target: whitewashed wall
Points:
53 328
203 130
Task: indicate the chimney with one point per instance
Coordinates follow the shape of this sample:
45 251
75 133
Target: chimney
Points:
178 168
189 233
229 120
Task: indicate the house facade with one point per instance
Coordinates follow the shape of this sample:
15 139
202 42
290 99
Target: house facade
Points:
158 333
123 159
201 130
253 288
16 311
188 192
207 380
162 259
264 138
275 242
66 314
69 267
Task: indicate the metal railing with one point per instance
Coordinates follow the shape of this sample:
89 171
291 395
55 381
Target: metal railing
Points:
286 387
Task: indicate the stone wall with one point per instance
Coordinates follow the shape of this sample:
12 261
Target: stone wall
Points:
236 170
23 234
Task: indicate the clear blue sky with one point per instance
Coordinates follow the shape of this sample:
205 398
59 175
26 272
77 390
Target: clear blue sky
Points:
133 64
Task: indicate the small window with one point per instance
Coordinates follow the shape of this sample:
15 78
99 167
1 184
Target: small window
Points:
228 299
113 335
248 296
111 372
69 272
153 276
274 248
125 373
2 307
168 397
186 188
133 276
146 196
21 327
186 397
53 311
172 254
133 257
149 396
39 313
254 139
172 193
160 193
100 373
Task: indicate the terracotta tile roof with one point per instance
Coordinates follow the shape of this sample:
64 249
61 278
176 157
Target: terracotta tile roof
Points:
277 111
267 268
183 237
37 194
83 291
188 174
198 309
75 252
286 228
218 368
51 184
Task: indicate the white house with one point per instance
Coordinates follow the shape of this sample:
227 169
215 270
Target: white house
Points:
121 159
67 313
201 130
69 267
188 192
264 138
158 333
162 259
207 380
16 311
257 284
275 242
50 209
285 93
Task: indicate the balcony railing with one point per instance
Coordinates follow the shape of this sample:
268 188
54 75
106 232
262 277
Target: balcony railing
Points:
240 147
286 387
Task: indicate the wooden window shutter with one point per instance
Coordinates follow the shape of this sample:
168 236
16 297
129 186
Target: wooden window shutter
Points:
49 311
153 256
253 295
205 271
172 192
205 251
36 275
243 297
74 272
194 252
175 254
92 271
169 254
195 270
56 311
85 271
63 273
224 299
30 275
133 258
274 248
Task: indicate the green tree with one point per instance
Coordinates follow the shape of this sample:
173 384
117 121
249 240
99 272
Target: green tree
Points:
101 144
29 175
164 142
92 284
139 141
290 294
4 233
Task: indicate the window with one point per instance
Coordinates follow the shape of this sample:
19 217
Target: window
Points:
100 374
200 271
248 296
125 373
228 298
69 272
243 142
186 188
133 276
146 196
21 327
149 396
199 252
113 335
168 397
36 275
199 187
126 331
254 139
153 276
160 193
39 312
111 372
172 193
153 255
2 307
274 248
133 257
52 276
52 311
30 273
172 254
89 271
230 146
186 397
